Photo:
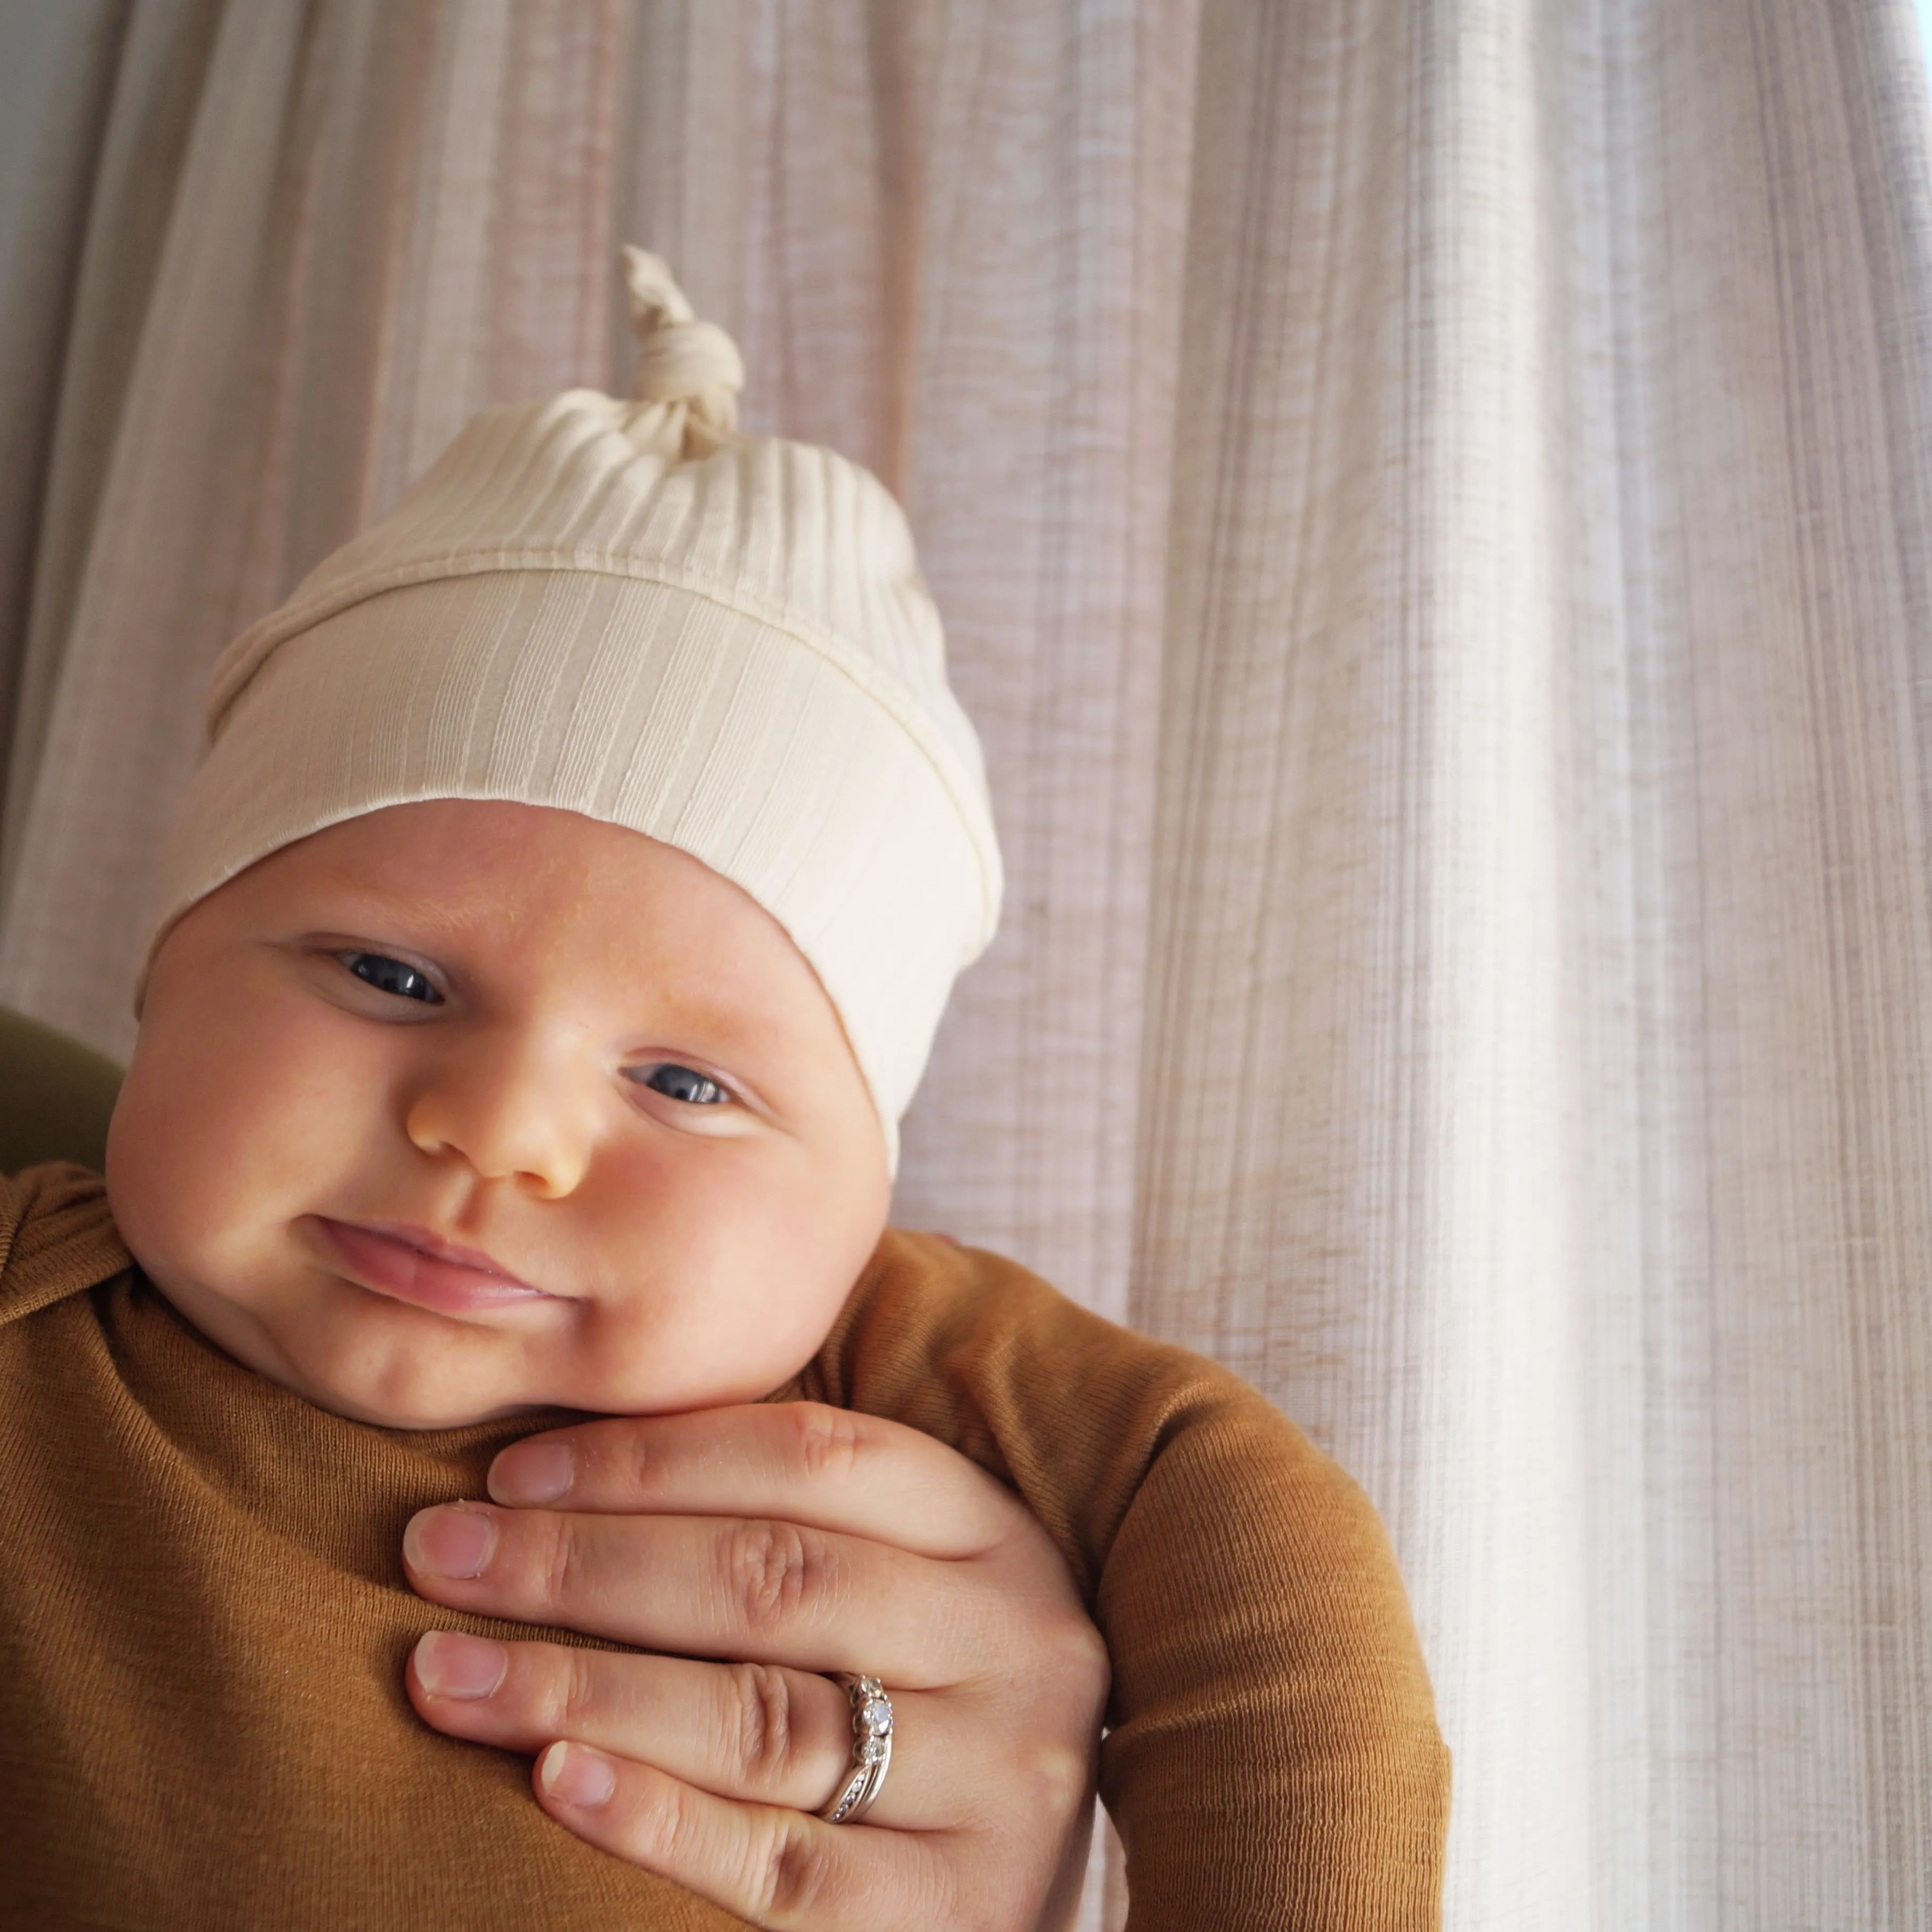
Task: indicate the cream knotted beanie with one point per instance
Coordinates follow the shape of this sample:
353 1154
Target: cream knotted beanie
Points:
627 609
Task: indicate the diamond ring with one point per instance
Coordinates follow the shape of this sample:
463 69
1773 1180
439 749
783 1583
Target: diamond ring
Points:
872 1751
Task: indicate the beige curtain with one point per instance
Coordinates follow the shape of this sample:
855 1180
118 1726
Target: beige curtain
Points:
1433 505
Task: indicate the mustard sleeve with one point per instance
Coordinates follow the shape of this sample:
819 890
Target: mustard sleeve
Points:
56 1237
1272 1758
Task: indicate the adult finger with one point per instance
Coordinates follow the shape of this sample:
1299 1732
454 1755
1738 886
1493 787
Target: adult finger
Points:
832 1468
704 1586
777 1868
751 1731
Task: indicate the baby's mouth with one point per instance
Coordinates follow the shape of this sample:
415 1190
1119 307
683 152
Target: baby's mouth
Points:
410 1263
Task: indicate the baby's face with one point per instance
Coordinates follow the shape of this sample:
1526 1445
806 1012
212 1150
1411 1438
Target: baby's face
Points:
460 1108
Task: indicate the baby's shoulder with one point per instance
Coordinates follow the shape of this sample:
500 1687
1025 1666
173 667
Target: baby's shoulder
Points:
57 1237
936 1296
973 1348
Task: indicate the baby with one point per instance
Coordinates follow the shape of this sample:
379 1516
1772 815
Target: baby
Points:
547 950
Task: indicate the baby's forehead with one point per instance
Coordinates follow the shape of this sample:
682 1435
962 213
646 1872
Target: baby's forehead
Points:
517 892
456 858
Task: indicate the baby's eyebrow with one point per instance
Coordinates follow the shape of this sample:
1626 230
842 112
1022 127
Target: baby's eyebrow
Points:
725 1031
355 898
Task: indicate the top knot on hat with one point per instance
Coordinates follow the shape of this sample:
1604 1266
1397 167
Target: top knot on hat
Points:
688 374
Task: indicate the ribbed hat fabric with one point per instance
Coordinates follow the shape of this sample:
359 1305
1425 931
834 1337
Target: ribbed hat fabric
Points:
625 609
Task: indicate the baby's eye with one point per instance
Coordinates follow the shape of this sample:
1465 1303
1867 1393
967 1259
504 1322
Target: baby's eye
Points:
680 1083
392 975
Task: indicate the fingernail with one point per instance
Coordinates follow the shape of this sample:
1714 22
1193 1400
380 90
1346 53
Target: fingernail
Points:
532 1472
452 1542
576 1775
450 1664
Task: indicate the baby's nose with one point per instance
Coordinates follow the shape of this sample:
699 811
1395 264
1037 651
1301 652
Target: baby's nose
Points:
512 1112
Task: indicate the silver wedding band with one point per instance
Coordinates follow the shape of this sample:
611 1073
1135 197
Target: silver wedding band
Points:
872 1751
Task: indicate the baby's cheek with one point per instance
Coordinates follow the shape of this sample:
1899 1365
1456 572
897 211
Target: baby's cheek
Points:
160 1189
723 1312
187 1189
691 1356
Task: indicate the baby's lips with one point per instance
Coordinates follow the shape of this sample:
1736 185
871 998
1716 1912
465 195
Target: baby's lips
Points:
539 1471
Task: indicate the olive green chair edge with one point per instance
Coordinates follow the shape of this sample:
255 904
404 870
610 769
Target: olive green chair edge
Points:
56 1096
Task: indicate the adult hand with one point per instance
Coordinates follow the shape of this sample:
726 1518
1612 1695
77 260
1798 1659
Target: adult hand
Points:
790 1540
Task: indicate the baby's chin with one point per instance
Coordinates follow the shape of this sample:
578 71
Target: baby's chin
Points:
410 1395
364 1355
400 1368
363 1369
432 1411
356 1354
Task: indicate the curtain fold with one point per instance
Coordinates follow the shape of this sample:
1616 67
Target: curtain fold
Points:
1432 503
99 102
